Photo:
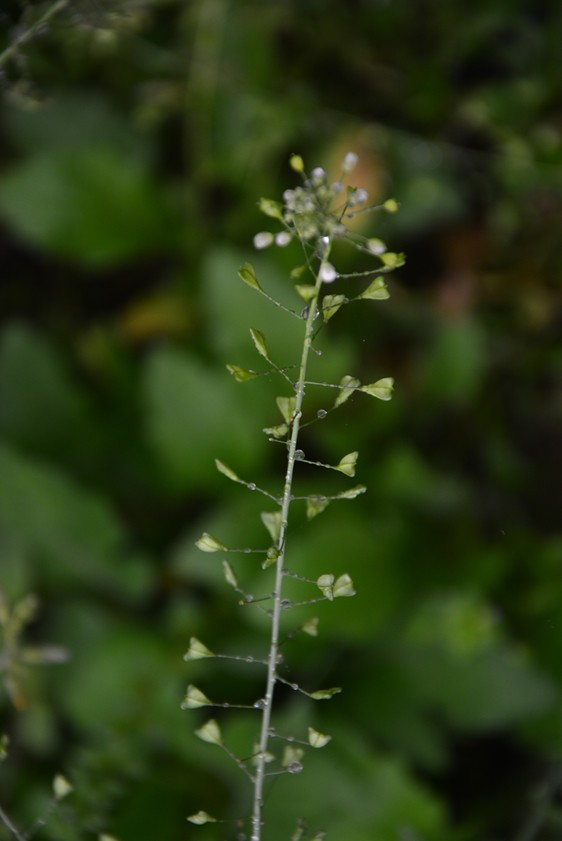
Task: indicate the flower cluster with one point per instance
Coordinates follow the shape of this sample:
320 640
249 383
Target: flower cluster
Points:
315 214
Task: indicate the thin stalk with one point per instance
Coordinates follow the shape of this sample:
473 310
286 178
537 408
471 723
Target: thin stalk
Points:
10 826
279 574
28 34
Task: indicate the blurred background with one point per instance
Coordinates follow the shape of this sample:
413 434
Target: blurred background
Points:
136 140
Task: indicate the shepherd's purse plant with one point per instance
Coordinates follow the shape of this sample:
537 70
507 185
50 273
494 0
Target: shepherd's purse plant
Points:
315 215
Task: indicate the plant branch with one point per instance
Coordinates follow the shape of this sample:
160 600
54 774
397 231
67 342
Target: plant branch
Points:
29 33
10 826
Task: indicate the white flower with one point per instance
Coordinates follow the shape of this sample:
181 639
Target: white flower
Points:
376 246
283 238
318 175
349 162
263 240
327 273
289 199
358 196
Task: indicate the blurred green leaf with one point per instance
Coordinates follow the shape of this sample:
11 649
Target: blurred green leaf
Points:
69 532
91 205
189 408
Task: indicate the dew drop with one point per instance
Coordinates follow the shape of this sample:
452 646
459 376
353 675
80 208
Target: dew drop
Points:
260 705
317 351
249 659
285 604
321 413
299 455
252 486
247 550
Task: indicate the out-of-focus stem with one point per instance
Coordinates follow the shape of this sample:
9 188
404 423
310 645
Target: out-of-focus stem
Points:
28 34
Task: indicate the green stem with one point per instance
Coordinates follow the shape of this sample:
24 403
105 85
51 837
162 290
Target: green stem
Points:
10 826
26 36
281 545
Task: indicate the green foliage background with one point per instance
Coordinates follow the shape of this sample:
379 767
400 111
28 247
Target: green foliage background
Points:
136 140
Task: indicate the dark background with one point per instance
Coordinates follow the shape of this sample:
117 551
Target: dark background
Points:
137 138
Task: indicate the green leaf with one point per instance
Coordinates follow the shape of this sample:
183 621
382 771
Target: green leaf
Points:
343 587
277 431
61 787
226 471
306 291
201 818
347 464
271 208
192 410
352 493
348 384
291 753
298 271
287 407
325 584
241 375
259 342
376 291
229 575
94 205
316 739
272 522
382 389
65 529
208 543
248 275
331 304
392 260
271 557
325 694
194 699
315 505
197 650
210 732
310 627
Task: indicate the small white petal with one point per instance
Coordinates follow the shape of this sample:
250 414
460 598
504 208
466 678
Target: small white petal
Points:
350 162
327 273
318 175
283 238
359 196
376 246
263 240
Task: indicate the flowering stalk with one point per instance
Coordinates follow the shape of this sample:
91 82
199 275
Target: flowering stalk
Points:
307 215
277 593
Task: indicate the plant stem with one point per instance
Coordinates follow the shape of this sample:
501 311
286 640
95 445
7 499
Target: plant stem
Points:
28 34
281 545
10 826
